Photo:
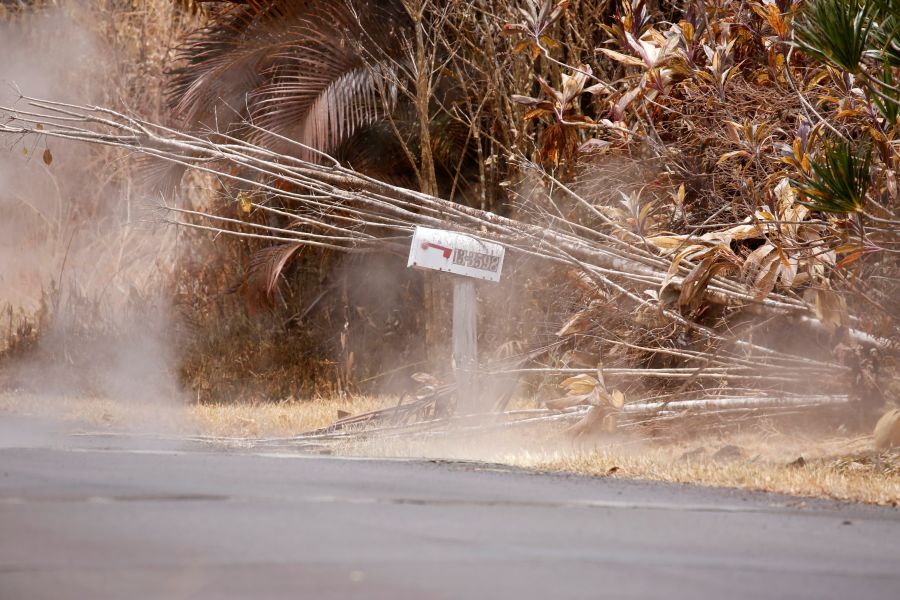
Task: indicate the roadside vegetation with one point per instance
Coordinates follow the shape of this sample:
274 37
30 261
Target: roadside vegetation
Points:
699 198
792 459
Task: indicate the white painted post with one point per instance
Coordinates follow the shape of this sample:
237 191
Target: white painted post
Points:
468 258
465 346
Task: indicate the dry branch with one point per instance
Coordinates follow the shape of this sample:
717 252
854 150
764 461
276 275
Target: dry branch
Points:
337 208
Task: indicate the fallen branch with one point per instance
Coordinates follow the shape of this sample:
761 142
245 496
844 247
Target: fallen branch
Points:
334 207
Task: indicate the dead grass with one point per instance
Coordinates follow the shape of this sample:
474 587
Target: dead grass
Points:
276 419
764 459
246 419
838 468
97 412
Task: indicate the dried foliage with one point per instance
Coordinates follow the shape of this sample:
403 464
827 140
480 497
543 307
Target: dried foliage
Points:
293 68
763 160
720 178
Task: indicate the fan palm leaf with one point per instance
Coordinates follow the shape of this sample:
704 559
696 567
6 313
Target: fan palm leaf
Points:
888 101
291 66
220 63
318 76
840 179
836 31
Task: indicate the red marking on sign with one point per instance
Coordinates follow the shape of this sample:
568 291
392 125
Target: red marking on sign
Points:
444 249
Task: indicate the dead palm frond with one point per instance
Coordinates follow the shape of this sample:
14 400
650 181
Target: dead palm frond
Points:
320 76
291 67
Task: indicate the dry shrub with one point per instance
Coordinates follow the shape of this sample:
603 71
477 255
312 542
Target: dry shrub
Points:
695 128
689 125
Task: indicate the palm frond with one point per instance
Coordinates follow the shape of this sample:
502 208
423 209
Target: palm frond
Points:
317 76
886 32
322 93
836 31
840 179
290 66
223 61
267 264
888 100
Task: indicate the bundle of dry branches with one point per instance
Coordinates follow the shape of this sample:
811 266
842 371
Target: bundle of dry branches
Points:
334 207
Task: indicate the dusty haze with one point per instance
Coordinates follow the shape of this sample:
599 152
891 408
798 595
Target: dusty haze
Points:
75 237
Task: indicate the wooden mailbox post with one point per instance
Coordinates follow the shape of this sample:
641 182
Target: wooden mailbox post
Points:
467 258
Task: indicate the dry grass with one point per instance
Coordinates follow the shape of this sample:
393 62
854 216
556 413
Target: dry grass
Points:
766 459
247 419
838 468
275 419
95 412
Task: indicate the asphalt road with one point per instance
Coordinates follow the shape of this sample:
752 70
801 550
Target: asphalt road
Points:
91 519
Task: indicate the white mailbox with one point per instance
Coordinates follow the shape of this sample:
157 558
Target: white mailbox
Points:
456 253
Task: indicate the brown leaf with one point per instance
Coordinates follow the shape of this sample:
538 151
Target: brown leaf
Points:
597 88
623 102
695 282
522 46
537 113
765 281
617 399
580 384
756 261
527 100
566 402
560 142
623 58
887 431
730 155
831 308
676 263
576 324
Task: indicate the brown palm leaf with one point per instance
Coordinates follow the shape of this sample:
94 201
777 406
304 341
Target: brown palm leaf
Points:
293 67
267 264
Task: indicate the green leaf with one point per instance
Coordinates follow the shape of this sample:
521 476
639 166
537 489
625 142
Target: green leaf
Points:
840 179
836 31
888 102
